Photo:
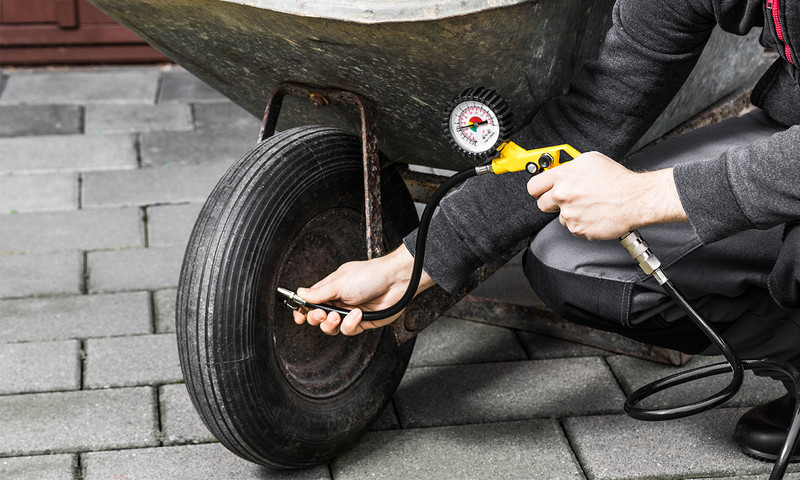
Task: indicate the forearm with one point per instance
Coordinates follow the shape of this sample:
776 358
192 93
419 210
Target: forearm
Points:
659 200
400 264
477 222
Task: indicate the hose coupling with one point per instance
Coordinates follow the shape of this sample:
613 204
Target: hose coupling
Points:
291 299
639 250
483 169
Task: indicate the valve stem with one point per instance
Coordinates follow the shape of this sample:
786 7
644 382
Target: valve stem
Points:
292 300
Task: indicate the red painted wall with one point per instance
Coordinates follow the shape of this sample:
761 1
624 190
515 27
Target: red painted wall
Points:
66 31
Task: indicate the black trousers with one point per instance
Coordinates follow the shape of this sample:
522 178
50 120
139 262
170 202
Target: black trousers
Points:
599 285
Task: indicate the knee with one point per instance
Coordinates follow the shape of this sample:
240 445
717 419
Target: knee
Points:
558 250
555 274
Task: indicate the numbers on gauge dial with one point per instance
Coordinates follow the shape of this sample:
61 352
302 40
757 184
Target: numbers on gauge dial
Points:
474 127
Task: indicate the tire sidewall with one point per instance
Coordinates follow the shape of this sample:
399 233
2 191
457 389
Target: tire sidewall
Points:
225 316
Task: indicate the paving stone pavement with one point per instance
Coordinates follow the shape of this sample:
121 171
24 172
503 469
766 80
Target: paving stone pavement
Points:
102 174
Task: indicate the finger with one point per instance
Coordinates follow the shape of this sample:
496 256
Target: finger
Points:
299 318
572 229
331 324
315 317
547 203
370 324
540 184
351 325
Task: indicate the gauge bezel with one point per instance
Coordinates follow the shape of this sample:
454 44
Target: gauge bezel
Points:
488 100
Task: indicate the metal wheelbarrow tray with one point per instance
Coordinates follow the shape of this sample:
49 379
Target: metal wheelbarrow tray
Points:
297 204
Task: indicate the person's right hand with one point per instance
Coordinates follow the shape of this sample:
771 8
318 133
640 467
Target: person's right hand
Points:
360 286
599 199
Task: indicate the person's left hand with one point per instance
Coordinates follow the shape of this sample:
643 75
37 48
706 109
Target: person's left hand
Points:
360 286
599 199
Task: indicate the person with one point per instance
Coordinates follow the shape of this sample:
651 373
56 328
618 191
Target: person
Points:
720 206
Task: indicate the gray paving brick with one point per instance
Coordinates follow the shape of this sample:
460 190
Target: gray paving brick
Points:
68 153
508 284
527 449
420 207
634 373
77 421
40 467
40 366
195 148
37 193
516 260
619 447
178 85
118 85
75 230
449 341
452 395
540 346
150 186
188 462
105 119
127 361
31 319
224 117
21 120
180 422
41 274
787 476
164 301
134 269
171 224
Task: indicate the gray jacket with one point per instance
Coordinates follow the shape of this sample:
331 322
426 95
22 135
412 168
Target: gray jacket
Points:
647 55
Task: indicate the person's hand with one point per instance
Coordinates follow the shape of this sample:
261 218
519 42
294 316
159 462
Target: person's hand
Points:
361 286
599 199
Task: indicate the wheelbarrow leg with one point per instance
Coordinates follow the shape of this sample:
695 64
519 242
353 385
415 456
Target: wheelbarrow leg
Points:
369 141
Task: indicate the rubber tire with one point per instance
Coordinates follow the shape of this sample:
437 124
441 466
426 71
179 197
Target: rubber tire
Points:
230 324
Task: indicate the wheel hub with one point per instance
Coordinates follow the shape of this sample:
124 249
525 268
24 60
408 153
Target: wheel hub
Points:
315 364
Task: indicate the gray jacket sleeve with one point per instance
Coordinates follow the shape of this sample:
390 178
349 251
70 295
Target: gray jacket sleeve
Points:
647 55
754 186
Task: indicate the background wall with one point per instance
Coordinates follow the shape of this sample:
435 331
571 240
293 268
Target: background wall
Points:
66 31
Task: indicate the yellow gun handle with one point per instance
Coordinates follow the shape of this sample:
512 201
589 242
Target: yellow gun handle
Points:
514 158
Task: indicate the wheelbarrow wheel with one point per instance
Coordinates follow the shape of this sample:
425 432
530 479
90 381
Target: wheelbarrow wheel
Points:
287 213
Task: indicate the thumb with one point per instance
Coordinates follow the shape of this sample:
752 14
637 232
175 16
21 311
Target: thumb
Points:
319 293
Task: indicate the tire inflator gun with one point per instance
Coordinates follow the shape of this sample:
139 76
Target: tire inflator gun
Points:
479 121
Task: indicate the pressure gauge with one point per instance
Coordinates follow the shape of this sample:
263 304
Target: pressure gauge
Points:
478 121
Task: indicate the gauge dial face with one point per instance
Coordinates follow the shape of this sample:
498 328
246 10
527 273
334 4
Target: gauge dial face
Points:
474 127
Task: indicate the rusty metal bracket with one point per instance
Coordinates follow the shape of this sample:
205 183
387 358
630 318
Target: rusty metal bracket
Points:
371 157
434 302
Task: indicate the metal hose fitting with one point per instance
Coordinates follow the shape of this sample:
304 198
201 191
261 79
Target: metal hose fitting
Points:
639 250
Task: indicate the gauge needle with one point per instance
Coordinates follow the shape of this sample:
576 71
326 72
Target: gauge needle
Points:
475 124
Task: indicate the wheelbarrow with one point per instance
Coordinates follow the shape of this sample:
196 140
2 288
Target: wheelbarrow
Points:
361 87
